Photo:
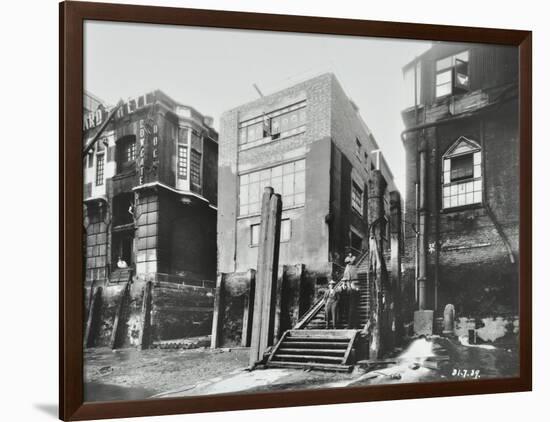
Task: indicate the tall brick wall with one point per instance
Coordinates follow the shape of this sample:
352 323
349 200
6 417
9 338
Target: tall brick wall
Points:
470 261
233 233
329 146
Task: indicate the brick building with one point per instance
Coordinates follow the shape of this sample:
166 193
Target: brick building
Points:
310 144
150 199
462 192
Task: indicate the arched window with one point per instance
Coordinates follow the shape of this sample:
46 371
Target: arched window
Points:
462 178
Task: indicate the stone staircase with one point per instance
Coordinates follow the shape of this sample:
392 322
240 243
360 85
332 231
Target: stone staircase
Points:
317 320
311 345
314 349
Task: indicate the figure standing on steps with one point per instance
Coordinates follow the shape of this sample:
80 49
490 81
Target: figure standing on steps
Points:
343 302
350 272
331 298
353 306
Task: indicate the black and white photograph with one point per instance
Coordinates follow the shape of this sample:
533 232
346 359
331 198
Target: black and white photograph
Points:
268 211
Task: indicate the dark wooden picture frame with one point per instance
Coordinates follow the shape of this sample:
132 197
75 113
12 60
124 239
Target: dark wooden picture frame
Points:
71 21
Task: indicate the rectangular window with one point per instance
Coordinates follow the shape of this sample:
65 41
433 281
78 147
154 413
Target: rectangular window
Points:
273 124
287 180
130 152
90 160
182 162
357 198
284 236
452 74
462 182
100 168
412 85
196 167
462 167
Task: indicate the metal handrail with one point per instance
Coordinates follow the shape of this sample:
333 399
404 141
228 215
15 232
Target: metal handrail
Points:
316 307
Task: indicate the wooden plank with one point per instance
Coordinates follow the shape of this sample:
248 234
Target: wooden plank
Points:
121 309
337 345
255 344
308 357
328 334
309 365
217 317
286 350
271 272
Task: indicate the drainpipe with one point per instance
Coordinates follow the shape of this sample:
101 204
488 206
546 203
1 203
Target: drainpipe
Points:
422 217
417 225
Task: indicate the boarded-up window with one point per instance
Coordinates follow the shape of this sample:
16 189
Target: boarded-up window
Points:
196 167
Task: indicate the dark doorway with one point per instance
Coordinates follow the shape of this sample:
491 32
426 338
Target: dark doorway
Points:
123 247
356 242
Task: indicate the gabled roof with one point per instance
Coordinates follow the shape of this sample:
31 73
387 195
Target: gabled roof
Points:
463 145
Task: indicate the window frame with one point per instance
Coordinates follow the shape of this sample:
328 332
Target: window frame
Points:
130 151
252 188
475 181
451 68
183 162
100 169
195 174
265 124
354 205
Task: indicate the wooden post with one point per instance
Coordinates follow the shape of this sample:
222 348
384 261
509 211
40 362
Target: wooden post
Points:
94 314
395 244
377 265
248 311
117 335
266 276
270 284
217 316
279 303
145 334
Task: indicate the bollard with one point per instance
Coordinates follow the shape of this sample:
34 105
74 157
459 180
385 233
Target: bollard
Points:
449 320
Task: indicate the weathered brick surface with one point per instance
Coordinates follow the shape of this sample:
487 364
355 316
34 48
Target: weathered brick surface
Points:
468 257
320 229
174 231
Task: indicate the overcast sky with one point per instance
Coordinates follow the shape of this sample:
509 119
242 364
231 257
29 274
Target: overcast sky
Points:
214 70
